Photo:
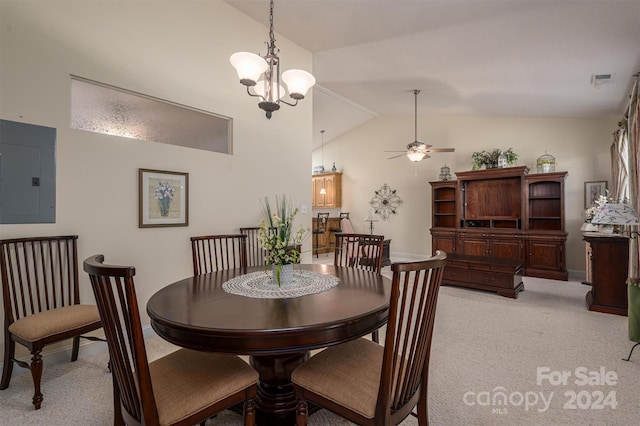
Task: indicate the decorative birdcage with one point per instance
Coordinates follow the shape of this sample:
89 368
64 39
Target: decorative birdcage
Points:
546 163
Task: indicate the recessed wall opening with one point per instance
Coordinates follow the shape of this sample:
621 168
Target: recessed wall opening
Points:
101 108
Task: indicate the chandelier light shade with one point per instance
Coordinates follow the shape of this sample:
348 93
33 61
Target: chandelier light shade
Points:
263 74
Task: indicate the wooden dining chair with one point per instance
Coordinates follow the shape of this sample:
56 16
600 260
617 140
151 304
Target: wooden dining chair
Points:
184 387
370 384
217 252
41 302
360 251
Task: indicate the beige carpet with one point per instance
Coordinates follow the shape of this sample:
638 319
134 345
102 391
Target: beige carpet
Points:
484 346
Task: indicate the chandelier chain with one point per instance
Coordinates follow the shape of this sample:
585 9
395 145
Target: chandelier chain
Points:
272 37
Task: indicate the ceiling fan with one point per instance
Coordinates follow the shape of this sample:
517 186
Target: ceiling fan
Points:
417 151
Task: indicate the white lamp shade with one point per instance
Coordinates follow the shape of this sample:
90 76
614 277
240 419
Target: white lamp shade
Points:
616 214
249 66
370 217
259 89
415 156
298 81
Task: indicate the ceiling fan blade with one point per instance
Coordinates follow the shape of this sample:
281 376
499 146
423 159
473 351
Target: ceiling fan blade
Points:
396 156
395 151
441 150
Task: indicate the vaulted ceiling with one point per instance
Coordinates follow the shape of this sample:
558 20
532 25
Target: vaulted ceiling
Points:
469 57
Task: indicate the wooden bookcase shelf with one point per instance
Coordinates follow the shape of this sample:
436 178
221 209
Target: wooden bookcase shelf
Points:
503 213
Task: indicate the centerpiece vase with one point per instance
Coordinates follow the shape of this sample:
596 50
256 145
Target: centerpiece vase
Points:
282 273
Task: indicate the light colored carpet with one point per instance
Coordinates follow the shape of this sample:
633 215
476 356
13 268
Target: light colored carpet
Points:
483 344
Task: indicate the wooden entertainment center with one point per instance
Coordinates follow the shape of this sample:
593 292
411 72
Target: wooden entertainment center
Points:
502 213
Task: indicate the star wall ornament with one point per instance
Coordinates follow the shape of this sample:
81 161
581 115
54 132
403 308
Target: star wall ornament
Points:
385 202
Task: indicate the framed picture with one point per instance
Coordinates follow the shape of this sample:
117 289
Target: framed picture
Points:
163 198
593 190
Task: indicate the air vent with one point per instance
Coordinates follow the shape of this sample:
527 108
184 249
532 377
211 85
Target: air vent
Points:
598 79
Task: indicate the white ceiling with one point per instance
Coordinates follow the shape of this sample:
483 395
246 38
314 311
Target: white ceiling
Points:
468 57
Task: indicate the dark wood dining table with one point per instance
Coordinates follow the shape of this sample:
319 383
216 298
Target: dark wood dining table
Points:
277 334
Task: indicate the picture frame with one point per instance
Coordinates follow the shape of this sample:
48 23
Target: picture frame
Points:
593 190
163 198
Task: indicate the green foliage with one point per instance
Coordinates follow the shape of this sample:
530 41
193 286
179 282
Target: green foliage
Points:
490 159
276 233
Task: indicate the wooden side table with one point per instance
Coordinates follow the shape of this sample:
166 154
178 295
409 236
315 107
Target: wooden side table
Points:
609 271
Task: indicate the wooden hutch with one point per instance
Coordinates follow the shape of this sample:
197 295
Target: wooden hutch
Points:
503 213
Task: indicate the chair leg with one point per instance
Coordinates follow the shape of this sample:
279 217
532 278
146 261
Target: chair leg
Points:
117 408
249 412
423 416
7 366
302 413
36 374
375 336
75 349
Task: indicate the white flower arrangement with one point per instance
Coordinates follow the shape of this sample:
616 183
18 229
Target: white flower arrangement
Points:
600 201
276 234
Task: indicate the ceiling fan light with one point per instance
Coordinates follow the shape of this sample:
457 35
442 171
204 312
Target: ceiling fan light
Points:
249 67
415 156
298 82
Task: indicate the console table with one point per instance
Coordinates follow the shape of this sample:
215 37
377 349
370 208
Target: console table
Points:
609 271
503 276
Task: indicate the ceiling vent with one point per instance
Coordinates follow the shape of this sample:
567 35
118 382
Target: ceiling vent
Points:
598 79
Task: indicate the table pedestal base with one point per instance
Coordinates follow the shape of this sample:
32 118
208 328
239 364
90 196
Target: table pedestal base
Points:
275 400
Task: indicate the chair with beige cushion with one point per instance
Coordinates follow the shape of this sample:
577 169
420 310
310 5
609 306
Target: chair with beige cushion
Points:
370 384
184 387
41 302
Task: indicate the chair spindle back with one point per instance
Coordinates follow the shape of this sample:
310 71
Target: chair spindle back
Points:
361 251
38 274
407 349
217 252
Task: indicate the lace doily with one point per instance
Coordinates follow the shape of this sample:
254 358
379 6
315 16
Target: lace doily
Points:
260 285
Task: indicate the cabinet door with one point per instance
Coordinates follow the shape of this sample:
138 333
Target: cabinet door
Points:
473 245
330 187
318 198
545 254
506 248
445 241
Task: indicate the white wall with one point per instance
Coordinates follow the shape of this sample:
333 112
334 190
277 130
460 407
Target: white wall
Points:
177 51
581 147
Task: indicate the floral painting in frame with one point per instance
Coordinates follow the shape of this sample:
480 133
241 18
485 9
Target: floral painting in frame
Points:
163 198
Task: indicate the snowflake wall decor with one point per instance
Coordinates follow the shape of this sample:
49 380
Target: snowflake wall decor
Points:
385 202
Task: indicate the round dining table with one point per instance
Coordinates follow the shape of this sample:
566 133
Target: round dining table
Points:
277 334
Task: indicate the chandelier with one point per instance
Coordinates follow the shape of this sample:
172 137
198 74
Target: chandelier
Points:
251 68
